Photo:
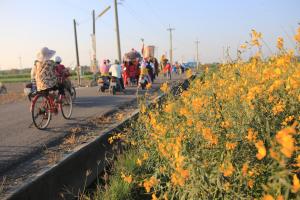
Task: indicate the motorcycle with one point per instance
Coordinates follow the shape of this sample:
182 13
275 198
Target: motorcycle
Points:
115 85
103 83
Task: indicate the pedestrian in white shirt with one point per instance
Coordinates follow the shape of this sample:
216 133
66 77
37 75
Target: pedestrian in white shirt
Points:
116 71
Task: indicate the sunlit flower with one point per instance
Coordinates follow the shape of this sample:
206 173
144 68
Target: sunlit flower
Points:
164 88
280 43
245 169
127 179
251 137
296 184
154 197
285 138
261 150
227 169
267 197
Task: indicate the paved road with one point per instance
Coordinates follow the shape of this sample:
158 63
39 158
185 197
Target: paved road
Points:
18 141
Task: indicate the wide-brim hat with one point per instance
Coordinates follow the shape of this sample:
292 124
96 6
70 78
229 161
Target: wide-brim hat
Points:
45 54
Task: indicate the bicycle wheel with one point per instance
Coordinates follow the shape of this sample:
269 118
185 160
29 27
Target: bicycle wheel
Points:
73 93
66 105
41 112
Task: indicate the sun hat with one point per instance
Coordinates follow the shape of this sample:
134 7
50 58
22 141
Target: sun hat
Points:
45 54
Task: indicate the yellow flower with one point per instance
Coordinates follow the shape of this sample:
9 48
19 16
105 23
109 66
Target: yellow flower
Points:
154 197
278 108
143 108
280 43
127 179
148 184
296 184
189 73
285 139
268 197
280 197
164 88
227 169
169 107
209 136
245 169
251 137
145 156
250 183
297 36
139 162
148 86
225 124
227 186
230 145
261 150
243 46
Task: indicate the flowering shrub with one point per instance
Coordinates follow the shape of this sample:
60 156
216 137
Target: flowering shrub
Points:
234 134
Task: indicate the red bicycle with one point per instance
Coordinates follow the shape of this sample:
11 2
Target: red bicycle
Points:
44 104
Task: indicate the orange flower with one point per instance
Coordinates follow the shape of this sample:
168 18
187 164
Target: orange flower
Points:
127 179
251 135
139 162
261 150
296 184
164 88
245 169
268 197
280 197
285 139
227 169
230 145
209 136
280 43
250 183
154 197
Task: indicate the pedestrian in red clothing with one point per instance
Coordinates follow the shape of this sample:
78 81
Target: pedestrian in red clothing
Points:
167 69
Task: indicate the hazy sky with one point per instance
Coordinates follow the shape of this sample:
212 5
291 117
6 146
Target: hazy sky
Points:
28 25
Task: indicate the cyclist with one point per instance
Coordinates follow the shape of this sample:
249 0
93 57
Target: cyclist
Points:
62 74
44 72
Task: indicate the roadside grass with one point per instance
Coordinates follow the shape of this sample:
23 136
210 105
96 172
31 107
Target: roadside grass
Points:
2 185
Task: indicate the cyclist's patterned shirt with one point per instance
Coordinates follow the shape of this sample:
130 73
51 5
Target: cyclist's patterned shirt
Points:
45 75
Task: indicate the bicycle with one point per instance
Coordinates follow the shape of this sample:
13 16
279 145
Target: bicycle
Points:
46 103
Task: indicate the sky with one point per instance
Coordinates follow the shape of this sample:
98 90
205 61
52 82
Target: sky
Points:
29 25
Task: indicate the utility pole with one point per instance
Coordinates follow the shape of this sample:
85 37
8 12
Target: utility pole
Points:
197 53
94 60
77 54
171 45
117 30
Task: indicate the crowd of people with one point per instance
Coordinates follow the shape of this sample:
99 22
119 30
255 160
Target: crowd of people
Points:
48 74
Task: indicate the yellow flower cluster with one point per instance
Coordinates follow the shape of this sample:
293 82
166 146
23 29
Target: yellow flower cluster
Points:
235 127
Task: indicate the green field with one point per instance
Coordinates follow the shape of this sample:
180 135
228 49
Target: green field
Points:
20 78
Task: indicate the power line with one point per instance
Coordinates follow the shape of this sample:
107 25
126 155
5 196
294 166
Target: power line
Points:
155 14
